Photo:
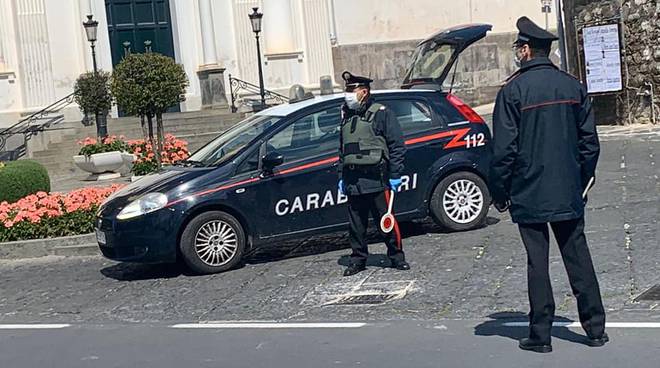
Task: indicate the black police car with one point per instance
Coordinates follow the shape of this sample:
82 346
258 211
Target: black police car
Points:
273 176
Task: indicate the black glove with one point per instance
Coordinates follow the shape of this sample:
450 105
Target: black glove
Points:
502 206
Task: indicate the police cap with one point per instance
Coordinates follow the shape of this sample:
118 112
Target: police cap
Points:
354 81
533 35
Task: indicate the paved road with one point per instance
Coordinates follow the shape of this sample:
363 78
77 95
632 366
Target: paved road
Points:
397 344
456 276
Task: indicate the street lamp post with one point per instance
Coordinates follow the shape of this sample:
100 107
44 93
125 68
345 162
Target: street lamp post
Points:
546 8
91 28
255 19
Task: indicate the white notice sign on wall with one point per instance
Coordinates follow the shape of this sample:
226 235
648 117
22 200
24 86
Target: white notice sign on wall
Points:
602 54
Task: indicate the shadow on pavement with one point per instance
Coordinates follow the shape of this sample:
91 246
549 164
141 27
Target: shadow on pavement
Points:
495 327
374 260
136 272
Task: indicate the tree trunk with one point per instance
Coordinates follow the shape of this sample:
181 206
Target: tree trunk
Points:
152 142
145 130
160 131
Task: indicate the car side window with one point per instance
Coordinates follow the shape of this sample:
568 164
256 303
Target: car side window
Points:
414 115
312 135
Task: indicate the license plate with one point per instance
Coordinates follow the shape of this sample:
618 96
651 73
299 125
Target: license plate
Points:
100 237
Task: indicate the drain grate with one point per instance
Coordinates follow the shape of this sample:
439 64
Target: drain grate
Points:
651 294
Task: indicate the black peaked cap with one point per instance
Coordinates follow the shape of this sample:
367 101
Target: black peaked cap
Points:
530 33
351 80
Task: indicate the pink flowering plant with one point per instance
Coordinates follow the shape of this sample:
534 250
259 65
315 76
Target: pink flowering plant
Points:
42 215
91 146
174 150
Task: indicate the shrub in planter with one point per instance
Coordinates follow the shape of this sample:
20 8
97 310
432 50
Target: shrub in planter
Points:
91 146
43 215
21 178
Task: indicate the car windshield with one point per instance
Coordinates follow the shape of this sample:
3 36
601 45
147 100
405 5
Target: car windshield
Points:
430 60
232 141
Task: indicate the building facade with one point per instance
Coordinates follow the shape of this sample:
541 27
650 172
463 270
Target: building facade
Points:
43 48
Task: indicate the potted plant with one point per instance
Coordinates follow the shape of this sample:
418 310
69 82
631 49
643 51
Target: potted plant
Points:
103 158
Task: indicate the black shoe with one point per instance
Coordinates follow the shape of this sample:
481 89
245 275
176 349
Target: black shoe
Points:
597 342
400 265
353 269
535 346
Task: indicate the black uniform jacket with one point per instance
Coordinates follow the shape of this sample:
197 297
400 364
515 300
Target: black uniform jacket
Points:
361 180
545 145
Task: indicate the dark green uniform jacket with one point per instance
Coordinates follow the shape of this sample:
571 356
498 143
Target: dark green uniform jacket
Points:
364 180
545 145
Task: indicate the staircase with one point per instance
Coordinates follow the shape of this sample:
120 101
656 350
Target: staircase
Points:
197 128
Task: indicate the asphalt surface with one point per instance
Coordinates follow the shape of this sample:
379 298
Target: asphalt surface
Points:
460 280
397 344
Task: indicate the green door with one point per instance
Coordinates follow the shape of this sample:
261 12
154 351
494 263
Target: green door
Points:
137 22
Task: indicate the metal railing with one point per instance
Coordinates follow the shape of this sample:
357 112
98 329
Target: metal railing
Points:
29 126
236 85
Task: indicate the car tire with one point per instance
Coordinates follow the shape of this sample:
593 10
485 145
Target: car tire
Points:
212 242
460 201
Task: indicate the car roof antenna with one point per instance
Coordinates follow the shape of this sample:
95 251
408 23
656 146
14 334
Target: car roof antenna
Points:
453 76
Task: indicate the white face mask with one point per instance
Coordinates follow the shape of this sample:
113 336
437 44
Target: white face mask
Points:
351 100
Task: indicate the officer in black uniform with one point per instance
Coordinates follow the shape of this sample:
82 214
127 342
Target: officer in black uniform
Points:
371 162
545 150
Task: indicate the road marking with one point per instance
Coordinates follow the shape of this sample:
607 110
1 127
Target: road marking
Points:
267 325
34 326
607 324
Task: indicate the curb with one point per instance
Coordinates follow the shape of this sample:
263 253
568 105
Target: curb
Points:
77 245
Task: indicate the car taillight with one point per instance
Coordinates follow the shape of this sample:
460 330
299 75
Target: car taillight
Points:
464 109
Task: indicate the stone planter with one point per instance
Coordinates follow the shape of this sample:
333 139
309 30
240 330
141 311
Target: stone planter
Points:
103 166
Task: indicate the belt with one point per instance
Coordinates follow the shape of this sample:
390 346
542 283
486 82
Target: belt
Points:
367 169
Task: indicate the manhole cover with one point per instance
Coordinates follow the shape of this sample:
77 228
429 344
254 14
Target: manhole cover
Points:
651 294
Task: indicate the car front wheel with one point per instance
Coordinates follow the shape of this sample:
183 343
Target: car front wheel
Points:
460 201
212 242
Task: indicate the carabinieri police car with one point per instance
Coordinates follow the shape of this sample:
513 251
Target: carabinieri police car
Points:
273 176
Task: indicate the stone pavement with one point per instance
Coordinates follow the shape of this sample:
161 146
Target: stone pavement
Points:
464 275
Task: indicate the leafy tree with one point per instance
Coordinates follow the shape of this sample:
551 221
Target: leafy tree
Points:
92 93
147 85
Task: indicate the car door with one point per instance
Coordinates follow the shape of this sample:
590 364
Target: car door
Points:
300 195
418 120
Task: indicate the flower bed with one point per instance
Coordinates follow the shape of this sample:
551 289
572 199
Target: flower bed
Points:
44 215
174 150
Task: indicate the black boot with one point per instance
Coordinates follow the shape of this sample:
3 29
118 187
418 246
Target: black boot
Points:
535 346
353 269
400 265
597 342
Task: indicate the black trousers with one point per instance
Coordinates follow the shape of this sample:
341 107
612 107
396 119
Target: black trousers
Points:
582 277
359 209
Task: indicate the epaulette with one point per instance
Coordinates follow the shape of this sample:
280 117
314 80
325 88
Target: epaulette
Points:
570 75
382 108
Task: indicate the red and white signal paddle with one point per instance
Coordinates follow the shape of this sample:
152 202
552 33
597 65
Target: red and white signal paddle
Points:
387 221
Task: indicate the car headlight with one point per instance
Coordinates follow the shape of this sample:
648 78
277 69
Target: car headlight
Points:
147 203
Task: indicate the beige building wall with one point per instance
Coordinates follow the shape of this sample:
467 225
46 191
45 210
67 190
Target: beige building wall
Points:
368 21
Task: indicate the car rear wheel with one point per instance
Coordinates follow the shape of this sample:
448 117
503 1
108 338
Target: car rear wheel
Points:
460 201
212 242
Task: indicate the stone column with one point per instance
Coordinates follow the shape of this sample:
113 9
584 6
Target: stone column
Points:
211 75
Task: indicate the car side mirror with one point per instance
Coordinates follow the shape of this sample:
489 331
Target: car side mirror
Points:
271 160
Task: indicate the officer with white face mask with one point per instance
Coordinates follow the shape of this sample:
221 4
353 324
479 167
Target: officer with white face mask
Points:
371 163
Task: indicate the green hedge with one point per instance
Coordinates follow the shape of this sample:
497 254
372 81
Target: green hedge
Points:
22 178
